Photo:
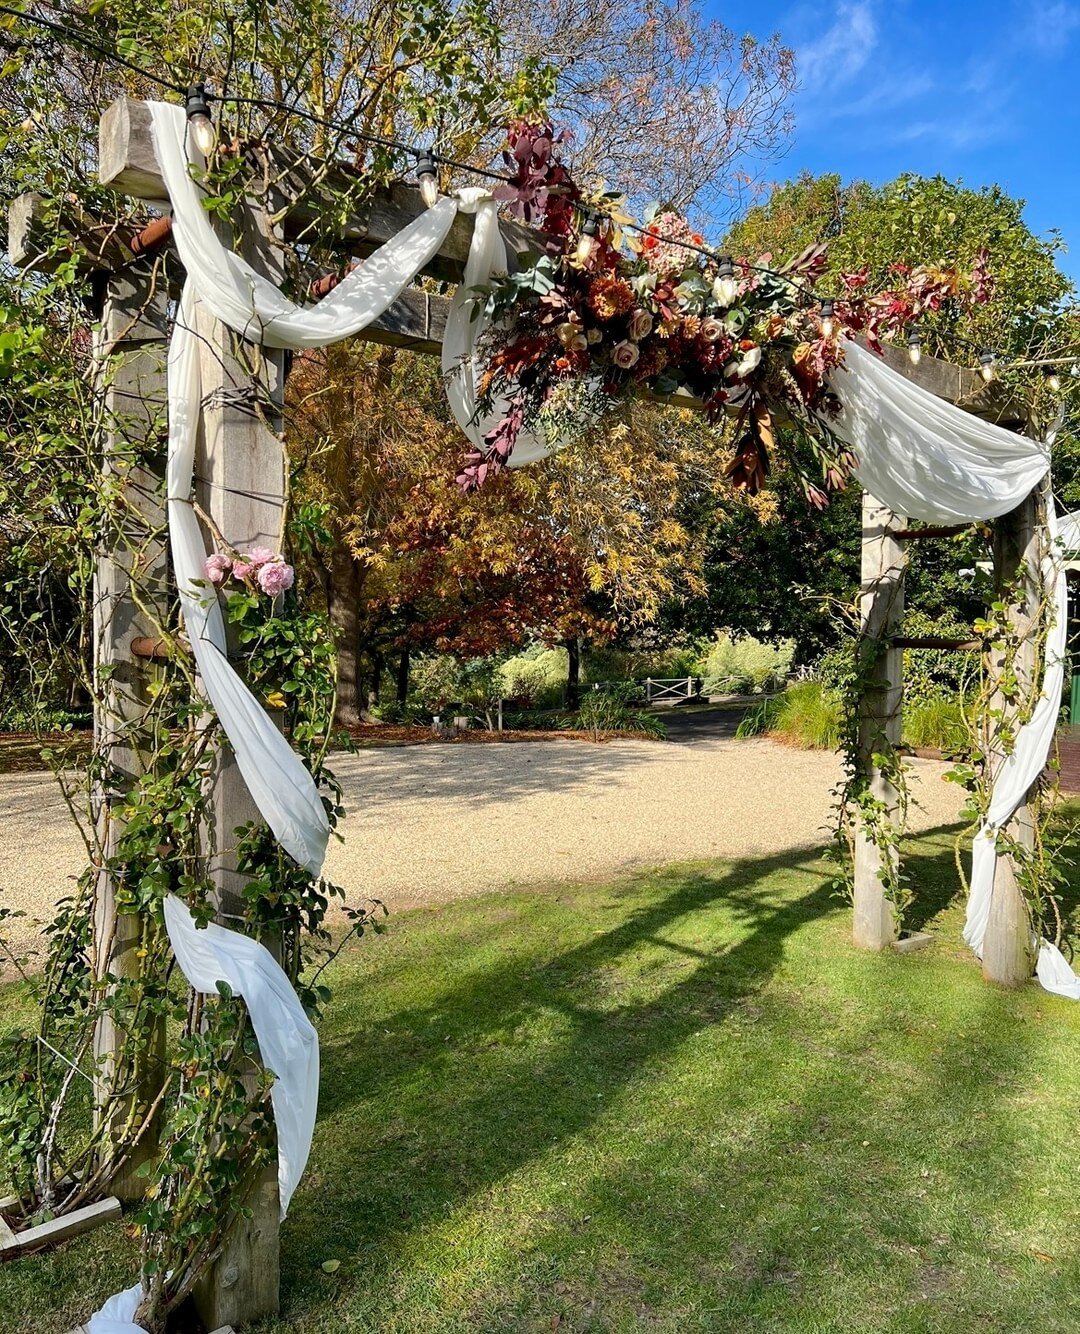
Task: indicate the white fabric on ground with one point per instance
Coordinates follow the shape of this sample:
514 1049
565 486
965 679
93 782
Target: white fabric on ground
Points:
929 460
117 1316
288 1043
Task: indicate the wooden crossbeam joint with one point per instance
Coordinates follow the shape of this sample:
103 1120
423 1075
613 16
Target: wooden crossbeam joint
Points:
937 642
932 530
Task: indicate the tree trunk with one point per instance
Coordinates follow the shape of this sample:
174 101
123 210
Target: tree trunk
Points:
344 601
573 676
403 677
378 662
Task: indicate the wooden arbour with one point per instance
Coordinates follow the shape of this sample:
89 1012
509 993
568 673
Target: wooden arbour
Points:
242 490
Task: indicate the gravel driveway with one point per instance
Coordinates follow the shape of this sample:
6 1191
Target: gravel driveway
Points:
436 822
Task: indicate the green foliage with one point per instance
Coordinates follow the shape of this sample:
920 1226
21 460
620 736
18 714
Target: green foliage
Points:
743 665
635 662
618 1060
603 711
537 678
806 714
938 723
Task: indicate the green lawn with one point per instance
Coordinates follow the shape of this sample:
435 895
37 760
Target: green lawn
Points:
678 1102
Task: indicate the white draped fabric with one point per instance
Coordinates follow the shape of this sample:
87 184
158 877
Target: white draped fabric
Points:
918 455
929 460
117 1316
288 1043
280 785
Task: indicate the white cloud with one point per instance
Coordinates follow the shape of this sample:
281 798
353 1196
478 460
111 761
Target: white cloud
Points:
1051 25
842 51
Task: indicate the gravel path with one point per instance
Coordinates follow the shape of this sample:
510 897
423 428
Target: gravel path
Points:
436 822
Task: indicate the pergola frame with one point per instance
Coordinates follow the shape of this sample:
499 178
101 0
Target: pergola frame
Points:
241 471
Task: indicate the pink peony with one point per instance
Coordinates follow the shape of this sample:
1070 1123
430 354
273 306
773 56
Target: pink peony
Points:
261 556
217 567
625 355
274 577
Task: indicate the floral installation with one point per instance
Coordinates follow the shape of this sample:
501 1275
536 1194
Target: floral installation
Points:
611 308
260 569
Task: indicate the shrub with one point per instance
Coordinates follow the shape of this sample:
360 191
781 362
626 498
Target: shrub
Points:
936 722
610 710
634 664
746 665
537 677
435 682
806 714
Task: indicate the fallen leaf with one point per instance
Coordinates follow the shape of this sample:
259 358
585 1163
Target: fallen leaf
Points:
331 1266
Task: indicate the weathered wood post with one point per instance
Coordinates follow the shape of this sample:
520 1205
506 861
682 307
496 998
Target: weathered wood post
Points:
130 603
1007 946
240 471
240 485
881 610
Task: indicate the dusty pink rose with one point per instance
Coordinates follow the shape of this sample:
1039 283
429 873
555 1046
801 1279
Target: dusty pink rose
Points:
217 567
274 577
641 323
261 556
241 569
712 330
625 355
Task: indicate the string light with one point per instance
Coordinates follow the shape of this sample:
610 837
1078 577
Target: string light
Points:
428 176
587 243
914 345
725 287
197 107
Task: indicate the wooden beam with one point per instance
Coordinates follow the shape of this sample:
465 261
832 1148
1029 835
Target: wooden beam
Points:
932 530
936 642
1007 956
131 600
35 226
126 163
881 610
61 1229
240 465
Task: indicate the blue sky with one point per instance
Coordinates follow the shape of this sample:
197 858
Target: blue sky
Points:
980 91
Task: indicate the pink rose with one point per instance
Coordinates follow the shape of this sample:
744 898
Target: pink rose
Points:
641 323
261 556
274 577
241 569
625 355
712 330
217 567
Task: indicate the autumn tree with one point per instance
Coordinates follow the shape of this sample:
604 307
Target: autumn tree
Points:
588 544
781 578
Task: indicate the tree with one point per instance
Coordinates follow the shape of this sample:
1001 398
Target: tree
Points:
576 549
780 577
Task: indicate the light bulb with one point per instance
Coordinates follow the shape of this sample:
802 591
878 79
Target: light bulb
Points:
725 288
586 246
828 321
428 176
914 346
986 365
202 128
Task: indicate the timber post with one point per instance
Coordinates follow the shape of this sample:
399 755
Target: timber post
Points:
1008 956
130 602
881 611
240 486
